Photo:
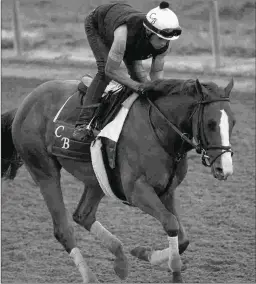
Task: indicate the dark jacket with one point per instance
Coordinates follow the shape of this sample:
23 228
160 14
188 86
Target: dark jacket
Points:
106 18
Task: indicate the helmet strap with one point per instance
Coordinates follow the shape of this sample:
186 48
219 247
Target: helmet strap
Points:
149 34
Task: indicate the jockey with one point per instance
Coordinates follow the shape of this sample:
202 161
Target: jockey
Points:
117 32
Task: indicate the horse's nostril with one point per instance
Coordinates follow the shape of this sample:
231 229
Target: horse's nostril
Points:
219 170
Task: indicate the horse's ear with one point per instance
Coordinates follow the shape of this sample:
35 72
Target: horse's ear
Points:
199 87
229 87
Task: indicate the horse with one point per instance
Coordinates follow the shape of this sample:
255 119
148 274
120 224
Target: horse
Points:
151 161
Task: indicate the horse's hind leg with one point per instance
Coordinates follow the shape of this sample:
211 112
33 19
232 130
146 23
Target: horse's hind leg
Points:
84 215
46 173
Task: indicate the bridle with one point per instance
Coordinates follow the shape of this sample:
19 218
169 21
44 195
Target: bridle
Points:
201 142
201 147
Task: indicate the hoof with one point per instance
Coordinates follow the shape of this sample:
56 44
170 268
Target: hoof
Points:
121 267
176 277
183 247
141 253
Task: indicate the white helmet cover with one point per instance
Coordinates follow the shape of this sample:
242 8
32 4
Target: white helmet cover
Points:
163 22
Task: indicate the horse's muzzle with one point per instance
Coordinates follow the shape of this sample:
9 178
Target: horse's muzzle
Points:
222 168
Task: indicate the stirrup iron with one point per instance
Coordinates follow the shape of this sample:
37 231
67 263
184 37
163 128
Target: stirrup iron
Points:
88 127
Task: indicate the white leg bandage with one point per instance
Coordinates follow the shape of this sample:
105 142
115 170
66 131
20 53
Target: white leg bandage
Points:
87 274
159 256
108 240
174 256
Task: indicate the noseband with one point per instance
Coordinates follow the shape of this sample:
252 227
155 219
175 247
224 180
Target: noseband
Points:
201 142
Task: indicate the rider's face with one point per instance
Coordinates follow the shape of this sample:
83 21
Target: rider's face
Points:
157 42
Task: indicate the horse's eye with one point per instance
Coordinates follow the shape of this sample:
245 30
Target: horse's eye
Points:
212 125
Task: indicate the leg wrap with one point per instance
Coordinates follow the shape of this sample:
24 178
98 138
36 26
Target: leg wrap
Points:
108 240
159 256
174 257
87 274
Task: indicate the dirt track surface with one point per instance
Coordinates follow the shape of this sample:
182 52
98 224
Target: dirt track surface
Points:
219 216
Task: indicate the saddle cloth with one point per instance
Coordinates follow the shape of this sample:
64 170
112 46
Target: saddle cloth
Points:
111 102
101 148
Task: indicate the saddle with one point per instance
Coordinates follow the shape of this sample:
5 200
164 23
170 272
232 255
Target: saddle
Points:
110 103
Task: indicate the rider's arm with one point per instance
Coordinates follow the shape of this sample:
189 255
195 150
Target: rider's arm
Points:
157 67
115 57
139 72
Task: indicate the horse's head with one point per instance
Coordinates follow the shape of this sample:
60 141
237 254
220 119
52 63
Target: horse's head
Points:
213 122
201 111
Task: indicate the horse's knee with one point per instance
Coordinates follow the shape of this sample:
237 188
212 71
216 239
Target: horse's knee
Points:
85 220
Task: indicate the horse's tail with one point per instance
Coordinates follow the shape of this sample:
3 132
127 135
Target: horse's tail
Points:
10 159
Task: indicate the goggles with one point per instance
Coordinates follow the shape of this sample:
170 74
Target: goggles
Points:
170 32
167 33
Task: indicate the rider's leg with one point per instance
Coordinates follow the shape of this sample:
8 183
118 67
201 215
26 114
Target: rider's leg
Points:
99 83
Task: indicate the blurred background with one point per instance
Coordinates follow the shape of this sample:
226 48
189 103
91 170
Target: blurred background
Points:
58 24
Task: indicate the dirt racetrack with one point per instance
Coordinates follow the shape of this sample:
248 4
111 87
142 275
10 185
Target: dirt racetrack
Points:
219 217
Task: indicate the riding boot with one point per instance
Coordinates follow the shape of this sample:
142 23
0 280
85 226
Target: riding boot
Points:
83 129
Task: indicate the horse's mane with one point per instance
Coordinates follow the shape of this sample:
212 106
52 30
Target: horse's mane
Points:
170 87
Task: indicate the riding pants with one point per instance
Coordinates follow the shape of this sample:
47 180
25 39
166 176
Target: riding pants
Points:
100 81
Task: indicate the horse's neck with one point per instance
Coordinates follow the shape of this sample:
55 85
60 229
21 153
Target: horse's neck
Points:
178 114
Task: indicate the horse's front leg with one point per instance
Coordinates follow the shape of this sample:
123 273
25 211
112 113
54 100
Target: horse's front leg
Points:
157 257
169 202
144 197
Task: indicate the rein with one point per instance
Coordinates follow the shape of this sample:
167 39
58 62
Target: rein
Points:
200 136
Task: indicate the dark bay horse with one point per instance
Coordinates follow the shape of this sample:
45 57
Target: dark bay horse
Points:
151 160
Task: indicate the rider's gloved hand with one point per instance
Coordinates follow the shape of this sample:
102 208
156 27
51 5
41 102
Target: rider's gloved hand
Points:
145 87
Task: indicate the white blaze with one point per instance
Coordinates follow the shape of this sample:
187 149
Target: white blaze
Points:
226 159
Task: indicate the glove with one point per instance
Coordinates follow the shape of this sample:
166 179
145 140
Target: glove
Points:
145 87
